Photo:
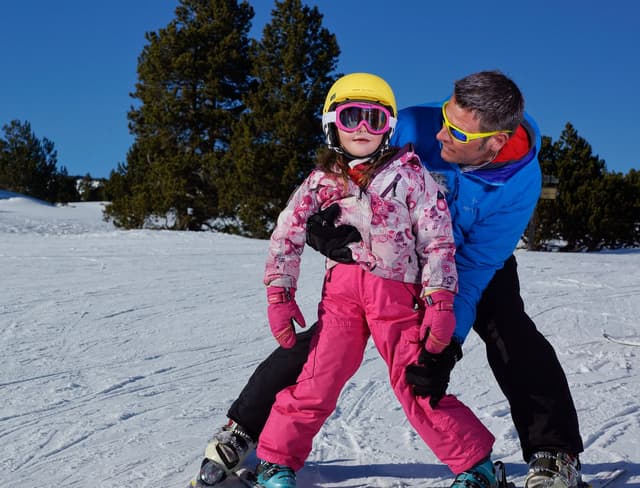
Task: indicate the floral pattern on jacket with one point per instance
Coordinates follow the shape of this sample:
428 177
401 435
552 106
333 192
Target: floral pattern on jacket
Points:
402 217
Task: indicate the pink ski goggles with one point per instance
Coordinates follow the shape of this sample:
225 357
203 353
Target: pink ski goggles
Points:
349 117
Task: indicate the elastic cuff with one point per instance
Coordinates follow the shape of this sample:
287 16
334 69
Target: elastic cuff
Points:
281 296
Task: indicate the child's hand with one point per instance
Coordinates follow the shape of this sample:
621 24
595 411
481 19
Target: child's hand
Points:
282 310
439 321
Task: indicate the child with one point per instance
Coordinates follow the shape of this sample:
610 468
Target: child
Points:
399 290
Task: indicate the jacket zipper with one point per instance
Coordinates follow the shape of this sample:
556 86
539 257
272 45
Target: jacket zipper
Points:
392 186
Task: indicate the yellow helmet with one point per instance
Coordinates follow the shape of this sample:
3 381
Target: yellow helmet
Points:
361 86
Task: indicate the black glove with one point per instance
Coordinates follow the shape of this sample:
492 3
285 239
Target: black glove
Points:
329 240
430 377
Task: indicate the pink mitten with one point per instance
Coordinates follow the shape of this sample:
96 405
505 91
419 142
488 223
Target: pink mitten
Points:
439 320
281 311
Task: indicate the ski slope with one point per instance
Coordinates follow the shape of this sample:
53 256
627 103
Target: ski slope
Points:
122 350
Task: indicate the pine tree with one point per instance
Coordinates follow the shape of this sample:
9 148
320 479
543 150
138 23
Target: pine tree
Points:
546 214
632 179
274 144
4 177
64 187
131 190
579 173
612 221
191 77
594 208
91 189
28 164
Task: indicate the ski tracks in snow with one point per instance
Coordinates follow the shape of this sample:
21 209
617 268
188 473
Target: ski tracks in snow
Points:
125 350
572 304
101 355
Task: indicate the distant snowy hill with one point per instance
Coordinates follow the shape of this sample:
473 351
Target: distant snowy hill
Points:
21 214
122 350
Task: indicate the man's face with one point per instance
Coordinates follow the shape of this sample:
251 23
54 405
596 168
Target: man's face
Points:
473 153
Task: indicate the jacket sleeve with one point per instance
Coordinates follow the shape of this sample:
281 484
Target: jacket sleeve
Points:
489 242
289 237
434 235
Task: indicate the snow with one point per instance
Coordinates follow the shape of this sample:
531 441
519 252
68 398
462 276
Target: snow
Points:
122 350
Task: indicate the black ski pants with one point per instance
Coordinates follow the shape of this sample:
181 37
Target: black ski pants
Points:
523 362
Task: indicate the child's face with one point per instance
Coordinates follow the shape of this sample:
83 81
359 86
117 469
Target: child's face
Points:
359 143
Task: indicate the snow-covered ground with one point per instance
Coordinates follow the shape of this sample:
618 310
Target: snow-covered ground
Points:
122 350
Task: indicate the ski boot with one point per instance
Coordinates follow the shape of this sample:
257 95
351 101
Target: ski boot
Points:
482 475
270 475
501 475
224 454
553 470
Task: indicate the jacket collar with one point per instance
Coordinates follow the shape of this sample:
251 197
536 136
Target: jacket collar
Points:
519 151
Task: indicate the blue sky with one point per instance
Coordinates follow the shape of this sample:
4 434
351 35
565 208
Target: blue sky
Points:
68 66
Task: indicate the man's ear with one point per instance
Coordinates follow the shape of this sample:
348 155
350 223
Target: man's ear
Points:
498 141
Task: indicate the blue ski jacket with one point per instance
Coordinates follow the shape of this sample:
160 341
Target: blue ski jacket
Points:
490 207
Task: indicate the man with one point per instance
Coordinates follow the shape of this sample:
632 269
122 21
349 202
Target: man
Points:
483 148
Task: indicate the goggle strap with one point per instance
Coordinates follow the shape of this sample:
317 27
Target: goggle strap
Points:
329 118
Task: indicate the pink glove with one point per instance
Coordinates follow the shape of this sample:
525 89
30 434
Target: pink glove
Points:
439 321
281 311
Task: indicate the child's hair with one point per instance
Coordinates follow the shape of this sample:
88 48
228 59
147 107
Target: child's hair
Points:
332 162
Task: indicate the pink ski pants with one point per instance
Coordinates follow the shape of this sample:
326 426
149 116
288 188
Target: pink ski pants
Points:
354 305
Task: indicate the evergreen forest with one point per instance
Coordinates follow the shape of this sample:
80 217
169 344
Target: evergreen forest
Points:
225 127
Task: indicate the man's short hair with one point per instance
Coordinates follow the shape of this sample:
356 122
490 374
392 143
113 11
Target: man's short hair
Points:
494 98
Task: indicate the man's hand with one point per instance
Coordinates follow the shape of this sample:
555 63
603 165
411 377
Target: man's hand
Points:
329 240
430 377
